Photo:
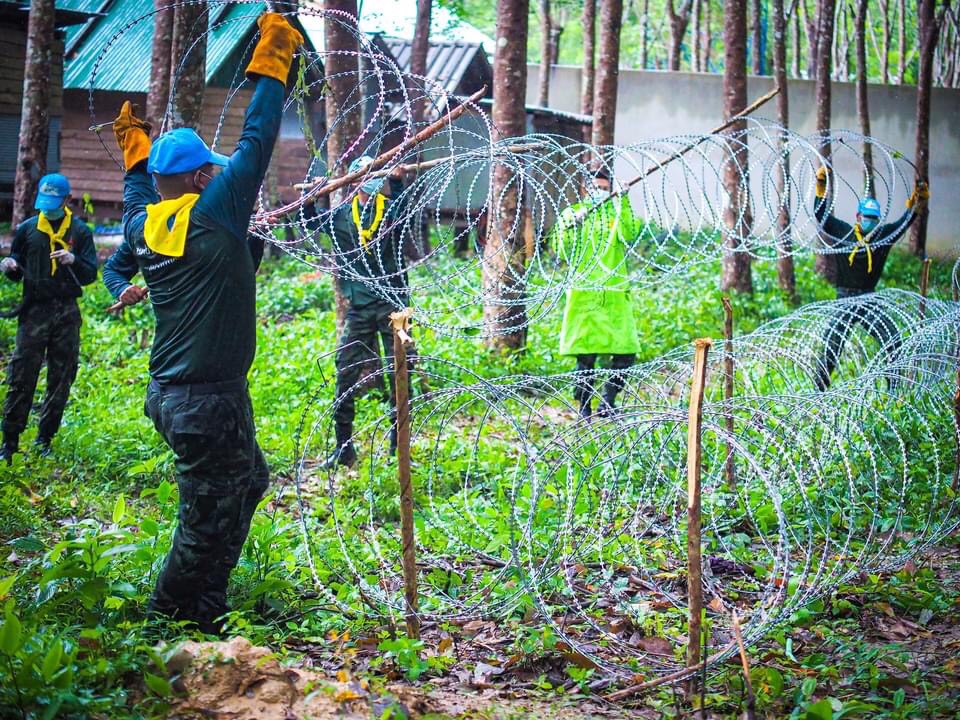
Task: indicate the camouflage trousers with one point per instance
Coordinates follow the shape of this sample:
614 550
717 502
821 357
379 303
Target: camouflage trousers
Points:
48 330
367 326
222 475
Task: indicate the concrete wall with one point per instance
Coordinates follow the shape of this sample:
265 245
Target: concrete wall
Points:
655 104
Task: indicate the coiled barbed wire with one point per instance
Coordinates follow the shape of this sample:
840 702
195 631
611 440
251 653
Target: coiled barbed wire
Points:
524 509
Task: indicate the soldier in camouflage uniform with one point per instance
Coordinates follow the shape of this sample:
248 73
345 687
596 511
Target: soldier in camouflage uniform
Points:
199 264
53 254
368 241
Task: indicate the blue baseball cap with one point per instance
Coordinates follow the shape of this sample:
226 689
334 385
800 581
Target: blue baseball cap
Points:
371 186
180 151
52 191
869 207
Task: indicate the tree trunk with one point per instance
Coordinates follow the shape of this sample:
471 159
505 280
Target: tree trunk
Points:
34 134
863 108
795 60
707 37
697 44
843 72
885 52
419 51
736 265
786 276
756 50
343 123
589 56
825 17
543 92
188 64
503 267
158 94
902 41
608 71
678 28
645 41
811 28
928 31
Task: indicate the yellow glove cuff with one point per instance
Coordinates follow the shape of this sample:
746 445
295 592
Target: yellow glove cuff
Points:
274 52
136 147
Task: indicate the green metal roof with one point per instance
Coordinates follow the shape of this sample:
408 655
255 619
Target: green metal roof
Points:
126 31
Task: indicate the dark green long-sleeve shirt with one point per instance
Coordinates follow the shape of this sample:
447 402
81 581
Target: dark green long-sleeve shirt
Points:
31 250
204 301
838 234
381 261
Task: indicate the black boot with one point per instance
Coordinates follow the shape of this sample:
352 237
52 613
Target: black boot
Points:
585 410
343 453
608 402
10 445
43 446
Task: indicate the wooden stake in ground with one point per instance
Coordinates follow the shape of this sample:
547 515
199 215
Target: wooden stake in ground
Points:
956 420
401 338
694 455
730 467
924 285
751 699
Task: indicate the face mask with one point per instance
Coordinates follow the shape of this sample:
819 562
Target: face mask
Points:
54 214
599 196
868 224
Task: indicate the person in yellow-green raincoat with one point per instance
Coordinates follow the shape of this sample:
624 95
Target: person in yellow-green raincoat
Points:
598 315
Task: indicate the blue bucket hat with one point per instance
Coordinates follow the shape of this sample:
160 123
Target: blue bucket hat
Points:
52 191
371 186
180 151
869 207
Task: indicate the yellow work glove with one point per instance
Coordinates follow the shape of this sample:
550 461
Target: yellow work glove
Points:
919 197
821 181
274 51
133 136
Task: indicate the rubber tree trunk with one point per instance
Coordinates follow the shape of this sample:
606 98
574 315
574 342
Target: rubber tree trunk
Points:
825 16
929 23
343 119
696 15
678 28
786 275
756 30
901 40
158 94
589 20
811 30
863 105
736 265
885 39
34 134
707 36
795 59
188 64
420 50
503 253
608 72
543 90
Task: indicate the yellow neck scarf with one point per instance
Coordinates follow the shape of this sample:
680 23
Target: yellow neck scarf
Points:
862 242
56 237
366 235
158 233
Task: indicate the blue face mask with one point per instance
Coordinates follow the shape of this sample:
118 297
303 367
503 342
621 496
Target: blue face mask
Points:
55 213
868 224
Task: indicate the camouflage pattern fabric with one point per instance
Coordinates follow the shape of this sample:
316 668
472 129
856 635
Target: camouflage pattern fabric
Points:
48 330
365 325
222 475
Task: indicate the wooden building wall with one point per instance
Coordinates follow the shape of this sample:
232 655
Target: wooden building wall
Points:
91 169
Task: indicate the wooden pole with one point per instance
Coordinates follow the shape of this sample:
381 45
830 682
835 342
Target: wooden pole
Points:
956 422
694 459
924 285
401 338
730 467
750 714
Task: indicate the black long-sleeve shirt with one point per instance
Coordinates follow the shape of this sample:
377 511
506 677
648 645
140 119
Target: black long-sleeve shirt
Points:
205 300
31 250
840 235
380 261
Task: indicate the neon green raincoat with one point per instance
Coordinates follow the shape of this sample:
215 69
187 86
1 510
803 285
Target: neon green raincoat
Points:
598 315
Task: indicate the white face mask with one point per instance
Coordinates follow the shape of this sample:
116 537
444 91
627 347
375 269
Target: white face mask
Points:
598 196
